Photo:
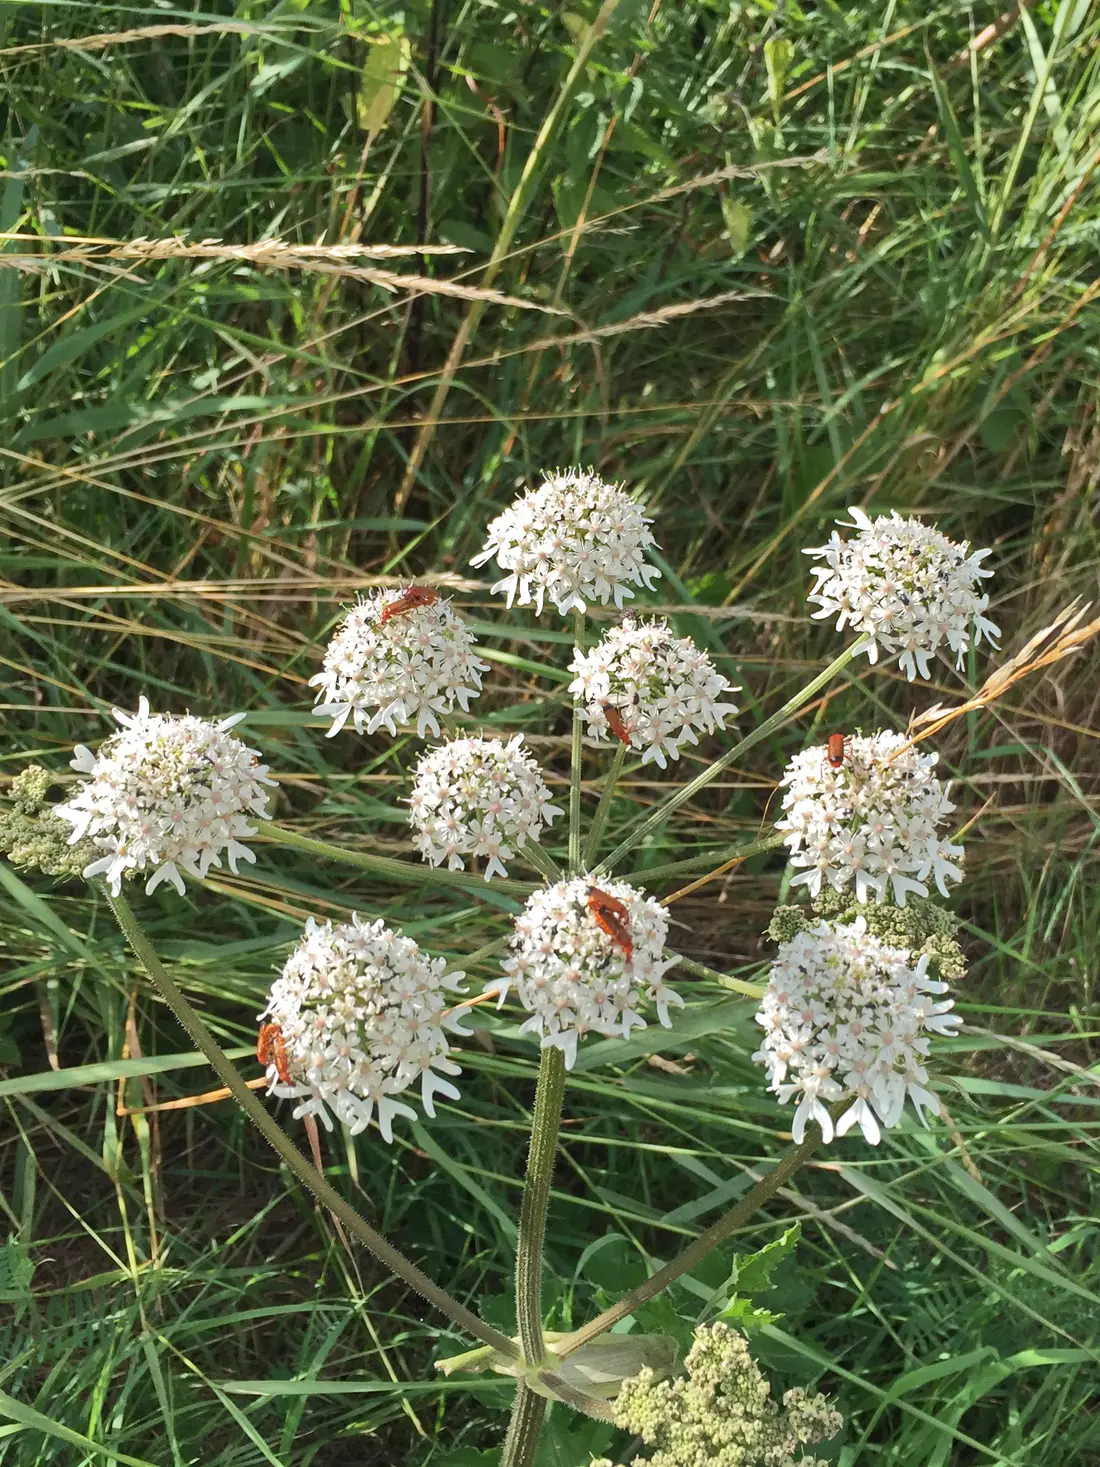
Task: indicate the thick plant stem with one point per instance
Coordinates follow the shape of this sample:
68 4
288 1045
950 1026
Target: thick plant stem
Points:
387 866
528 1409
575 759
761 731
307 1174
536 1198
607 794
696 1251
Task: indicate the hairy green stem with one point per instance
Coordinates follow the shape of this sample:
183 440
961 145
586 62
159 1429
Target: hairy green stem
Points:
541 859
696 1251
761 731
575 761
715 859
738 985
607 794
387 866
306 1173
536 1199
528 1409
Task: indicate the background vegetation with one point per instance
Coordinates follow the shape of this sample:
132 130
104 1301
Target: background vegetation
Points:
760 261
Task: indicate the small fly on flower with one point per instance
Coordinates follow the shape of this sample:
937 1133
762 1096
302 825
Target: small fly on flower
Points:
408 601
836 746
270 1050
612 917
616 722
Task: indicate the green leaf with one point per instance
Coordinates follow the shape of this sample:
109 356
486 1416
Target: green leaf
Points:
778 55
752 1272
27 1416
16 1272
738 221
382 81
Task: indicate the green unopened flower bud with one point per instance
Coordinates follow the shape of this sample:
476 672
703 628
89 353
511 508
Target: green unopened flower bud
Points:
721 1413
31 836
920 927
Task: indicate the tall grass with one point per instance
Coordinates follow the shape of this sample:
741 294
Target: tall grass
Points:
760 261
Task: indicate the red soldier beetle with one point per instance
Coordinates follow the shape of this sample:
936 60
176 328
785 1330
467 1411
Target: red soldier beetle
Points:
612 917
408 601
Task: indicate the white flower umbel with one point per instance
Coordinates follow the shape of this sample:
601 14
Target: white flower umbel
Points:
905 586
170 792
478 797
572 541
845 1015
871 821
363 1015
574 977
661 689
398 670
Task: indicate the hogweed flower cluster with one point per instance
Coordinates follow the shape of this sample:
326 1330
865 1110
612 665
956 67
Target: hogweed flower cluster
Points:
573 541
905 586
581 964
844 1015
721 1413
363 1014
170 792
478 797
661 689
871 821
398 671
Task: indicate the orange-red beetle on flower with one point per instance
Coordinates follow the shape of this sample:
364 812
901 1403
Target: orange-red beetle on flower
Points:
408 601
836 749
616 722
270 1050
612 917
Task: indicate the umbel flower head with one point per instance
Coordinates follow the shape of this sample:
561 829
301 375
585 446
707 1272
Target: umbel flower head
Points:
905 586
572 541
584 959
871 820
478 797
661 690
398 661
845 1015
168 791
363 1015
721 1413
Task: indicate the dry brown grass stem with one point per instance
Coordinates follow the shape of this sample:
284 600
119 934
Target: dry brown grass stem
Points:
332 587
265 251
1062 638
102 39
274 254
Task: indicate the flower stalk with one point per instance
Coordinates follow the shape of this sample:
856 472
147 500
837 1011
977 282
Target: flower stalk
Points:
389 1256
691 1256
688 791
603 809
575 762
387 865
